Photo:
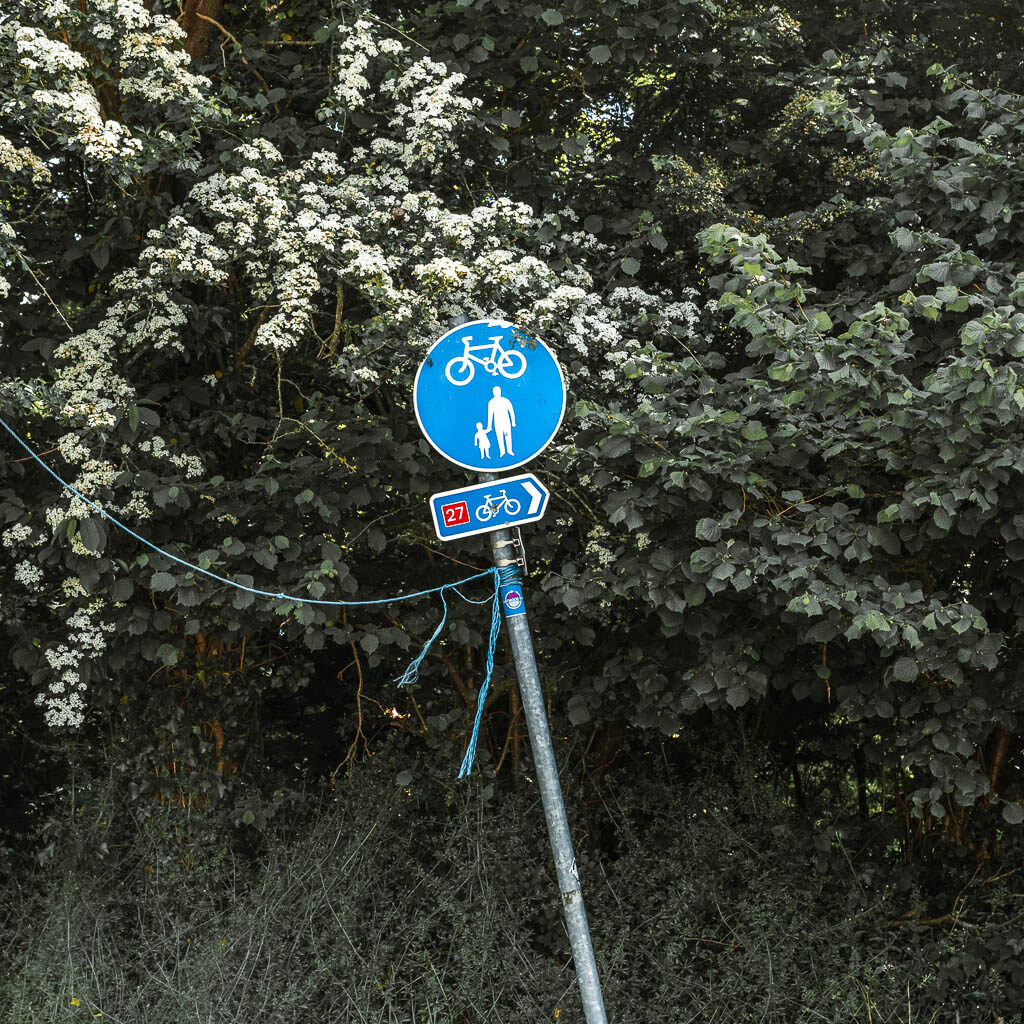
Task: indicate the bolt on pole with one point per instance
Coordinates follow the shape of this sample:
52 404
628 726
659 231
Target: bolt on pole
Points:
551 794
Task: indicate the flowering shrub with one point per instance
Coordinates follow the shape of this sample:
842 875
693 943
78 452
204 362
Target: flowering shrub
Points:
273 235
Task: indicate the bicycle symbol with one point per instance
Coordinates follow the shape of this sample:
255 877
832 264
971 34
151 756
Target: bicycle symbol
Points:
493 505
508 362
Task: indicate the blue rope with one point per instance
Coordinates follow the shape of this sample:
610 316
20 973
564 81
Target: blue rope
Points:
504 575
222 579
411 673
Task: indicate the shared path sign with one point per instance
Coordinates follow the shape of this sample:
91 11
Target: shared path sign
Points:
507 501
489 397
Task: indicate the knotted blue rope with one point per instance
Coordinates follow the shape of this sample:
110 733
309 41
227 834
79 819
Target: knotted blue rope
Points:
504 575
411 673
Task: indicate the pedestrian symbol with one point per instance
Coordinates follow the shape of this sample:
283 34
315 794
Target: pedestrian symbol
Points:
488 397
502 416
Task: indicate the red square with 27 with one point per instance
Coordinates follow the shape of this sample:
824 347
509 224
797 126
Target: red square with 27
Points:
455 514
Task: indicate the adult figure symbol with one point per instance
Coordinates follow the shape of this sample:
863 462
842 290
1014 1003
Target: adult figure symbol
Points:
501 415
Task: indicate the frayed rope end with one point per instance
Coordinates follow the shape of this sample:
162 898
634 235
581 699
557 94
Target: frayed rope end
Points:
492 642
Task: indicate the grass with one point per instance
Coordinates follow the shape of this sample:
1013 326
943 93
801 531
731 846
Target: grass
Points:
437 905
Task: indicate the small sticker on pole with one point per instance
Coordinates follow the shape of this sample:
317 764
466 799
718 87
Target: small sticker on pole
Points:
512 600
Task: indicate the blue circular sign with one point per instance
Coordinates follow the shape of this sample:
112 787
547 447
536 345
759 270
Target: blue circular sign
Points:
489 397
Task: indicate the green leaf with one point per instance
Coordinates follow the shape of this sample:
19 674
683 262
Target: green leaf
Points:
161 581
630 266
1013 814
92 534
663 559
911 636
708 529
905 239
168 654
754 431
974 332
805 604
600 54
888 514
781 371
552 17
905 670
613 447
737 695
875 621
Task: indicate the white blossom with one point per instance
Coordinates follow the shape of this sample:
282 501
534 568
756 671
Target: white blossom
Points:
28 574
16 534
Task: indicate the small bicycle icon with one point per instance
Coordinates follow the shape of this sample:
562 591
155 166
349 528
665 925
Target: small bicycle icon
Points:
493 505
508 362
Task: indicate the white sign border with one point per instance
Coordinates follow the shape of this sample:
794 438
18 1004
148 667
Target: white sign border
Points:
464 465
497 526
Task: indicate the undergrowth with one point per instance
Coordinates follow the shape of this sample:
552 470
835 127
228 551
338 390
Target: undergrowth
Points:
436 904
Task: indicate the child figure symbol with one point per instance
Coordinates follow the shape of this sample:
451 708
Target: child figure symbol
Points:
482 441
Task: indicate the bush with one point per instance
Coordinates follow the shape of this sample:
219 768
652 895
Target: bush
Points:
431 902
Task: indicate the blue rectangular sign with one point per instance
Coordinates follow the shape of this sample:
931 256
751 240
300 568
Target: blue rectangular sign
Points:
507 501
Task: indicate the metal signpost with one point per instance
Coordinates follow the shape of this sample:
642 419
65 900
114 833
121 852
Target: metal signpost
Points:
488 398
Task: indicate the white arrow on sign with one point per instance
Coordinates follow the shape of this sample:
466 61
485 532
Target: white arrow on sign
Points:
536 497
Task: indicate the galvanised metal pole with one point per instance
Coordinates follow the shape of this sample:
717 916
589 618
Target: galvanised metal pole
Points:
547 777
